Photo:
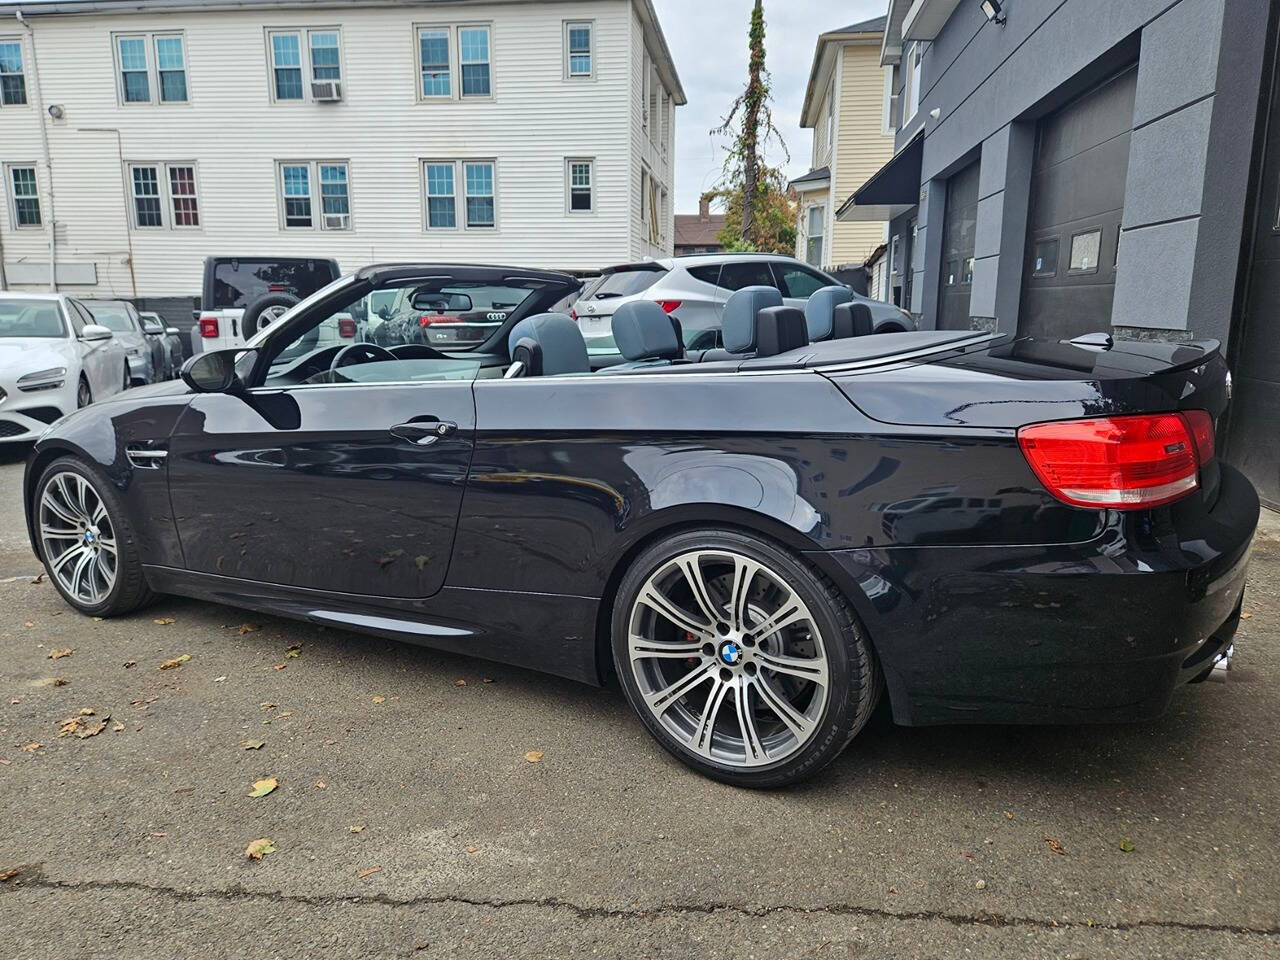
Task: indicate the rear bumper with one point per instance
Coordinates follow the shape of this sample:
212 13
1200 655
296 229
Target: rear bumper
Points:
1094 632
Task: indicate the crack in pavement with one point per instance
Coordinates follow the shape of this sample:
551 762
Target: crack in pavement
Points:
33 876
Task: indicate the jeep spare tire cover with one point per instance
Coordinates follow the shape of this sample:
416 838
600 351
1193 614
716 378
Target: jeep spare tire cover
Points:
264 311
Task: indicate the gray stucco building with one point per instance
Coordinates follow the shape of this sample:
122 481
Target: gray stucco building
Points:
1067 166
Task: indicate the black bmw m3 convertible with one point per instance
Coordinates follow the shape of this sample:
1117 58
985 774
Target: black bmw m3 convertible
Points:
759 541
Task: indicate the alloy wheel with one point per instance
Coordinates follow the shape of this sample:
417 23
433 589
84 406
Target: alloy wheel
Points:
728 658
270 315
78 538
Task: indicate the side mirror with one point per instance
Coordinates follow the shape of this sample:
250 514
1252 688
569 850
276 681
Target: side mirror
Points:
94 331
173 331
214 372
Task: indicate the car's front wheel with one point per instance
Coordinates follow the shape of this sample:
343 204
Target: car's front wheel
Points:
88 547
741 660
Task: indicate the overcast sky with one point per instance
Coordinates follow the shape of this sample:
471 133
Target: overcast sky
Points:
708 39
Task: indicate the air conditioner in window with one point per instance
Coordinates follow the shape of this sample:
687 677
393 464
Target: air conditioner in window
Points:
337 221
326 91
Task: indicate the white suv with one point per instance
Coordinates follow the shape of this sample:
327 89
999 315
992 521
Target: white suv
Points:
695 288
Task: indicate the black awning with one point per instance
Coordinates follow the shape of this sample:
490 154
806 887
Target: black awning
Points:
896 184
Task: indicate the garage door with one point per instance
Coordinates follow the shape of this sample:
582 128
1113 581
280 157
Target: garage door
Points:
959 227
1253 440
1077 201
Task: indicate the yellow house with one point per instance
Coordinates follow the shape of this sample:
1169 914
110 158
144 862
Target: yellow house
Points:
846 105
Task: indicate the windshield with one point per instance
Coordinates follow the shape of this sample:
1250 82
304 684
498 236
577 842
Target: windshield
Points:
624 283
238 282
30 318
454 316
112 316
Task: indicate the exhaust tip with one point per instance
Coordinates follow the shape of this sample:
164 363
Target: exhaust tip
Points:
1222 665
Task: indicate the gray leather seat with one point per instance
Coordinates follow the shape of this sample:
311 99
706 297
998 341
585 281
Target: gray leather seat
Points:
645 336
819 311
738 322
548 344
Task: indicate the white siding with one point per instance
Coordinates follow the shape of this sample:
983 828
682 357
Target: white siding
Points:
651 152
235 135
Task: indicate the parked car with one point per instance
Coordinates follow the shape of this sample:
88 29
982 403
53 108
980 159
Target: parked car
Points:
148 357
694 290
454 316
53 359
242 295
722 536
154 326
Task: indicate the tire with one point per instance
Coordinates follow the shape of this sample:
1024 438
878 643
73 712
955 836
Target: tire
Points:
819 663
128 381
84 393
101 577
264 311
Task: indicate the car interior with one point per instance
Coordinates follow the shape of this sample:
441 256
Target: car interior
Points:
30 320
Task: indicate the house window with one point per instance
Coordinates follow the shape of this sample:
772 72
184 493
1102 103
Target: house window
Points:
134 84
433 53
25 195
334 199
286 66
1085 250
297 180
147 208
148 183
655 87
886 108
183 202
171 69
473 55
581 186
914 57
813 244
13 83
325 60
831 113
480 198
578 52
147 62
442 210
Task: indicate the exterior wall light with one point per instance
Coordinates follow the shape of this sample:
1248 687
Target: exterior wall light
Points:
993 10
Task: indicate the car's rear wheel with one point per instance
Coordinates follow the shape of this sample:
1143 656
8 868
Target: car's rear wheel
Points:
741 660
88 547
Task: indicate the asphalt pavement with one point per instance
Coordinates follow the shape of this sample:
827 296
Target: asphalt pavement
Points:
407 820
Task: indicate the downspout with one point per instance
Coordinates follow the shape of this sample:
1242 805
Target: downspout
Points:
128 232
44 145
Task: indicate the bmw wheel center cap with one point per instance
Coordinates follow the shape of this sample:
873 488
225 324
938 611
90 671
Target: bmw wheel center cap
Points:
730 653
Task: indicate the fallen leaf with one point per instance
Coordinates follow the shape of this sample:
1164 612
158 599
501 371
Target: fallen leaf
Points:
259 849
130 663
58 681
59 654
369 873
162 621
175 662
97 619
473 849
283 714
487 680
320 784
293 651
31 747
9 874
262 787
1244 616
1054 845
219 679
82 726
267 705
893 889
1008 815
279 666
459 682
534 756
968 855
246 628
160 833
29 623
117 727
356 828
253 744
39 578
87 711
379 699
421 560
1127 845
5 761
15 700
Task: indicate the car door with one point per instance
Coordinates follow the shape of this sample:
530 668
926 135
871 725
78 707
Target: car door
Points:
95 356
346 480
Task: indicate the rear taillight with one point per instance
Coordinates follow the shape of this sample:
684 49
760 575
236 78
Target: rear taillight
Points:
208 326
1125 463
346 327
668 306
573 314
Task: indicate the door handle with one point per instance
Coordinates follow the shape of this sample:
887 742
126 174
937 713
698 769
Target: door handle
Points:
423 432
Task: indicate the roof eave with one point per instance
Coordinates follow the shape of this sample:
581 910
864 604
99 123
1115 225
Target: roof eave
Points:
818 70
